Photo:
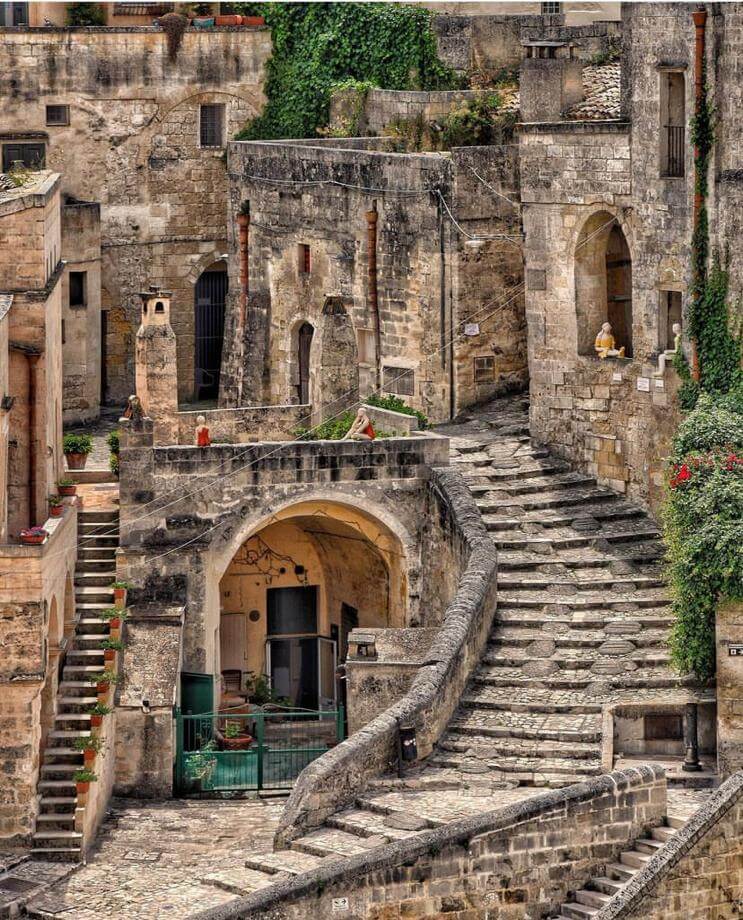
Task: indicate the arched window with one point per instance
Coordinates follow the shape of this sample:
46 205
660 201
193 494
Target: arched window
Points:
603 283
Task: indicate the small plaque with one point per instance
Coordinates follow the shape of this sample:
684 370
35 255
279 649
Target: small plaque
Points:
536 279
339 905
659 385
616 377
472 329
643 384
735 651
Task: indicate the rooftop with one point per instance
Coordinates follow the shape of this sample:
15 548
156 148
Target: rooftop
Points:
601 93
25 182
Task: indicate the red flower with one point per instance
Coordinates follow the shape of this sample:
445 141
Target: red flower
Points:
684 474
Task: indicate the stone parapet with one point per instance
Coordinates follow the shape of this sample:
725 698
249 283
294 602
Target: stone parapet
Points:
246 424
341 774
502 863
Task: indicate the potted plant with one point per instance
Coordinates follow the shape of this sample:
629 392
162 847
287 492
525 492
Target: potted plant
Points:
110 647
97 712
90 745
253 21
33 535
120 588
83 779
231 19
56 508
233 738
103 682
67 487
202 18
114 616
76 448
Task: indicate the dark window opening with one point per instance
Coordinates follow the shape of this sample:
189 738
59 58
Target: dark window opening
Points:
400 381
672 127
663 727
291 610
159 307
551 9
211 296
670 313
304 259
13 14
211 126
78 289
64 336
485 369
57 114
304 347
32 156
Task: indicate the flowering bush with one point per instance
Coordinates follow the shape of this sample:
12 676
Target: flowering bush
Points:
703 527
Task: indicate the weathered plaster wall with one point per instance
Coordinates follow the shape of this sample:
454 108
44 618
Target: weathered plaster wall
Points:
81 345
133 145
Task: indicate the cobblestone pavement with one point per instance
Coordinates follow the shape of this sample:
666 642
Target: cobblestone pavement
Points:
164 859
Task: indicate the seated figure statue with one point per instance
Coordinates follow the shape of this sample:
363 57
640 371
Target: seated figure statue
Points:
669 352
604 344
203 438
361 429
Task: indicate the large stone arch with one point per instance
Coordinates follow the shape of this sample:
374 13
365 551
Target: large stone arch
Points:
602 264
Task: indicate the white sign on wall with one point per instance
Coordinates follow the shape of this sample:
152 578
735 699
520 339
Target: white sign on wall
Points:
339 905
643 383
472 329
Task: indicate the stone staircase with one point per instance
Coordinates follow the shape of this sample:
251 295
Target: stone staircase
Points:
582 620
55 837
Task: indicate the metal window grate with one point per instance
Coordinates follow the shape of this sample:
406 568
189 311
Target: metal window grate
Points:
675 152
399 381
551 9
484 369
211 125
57 114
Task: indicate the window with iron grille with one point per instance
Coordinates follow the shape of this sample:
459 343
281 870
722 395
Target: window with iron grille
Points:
672 126
399 381
78 289
485 369
551 9
32 156
57 114
304 259
211 126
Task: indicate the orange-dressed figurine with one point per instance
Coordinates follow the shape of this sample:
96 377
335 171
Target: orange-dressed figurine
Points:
361 429
203 438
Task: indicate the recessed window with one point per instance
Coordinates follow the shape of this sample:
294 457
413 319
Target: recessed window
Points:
672 124
367 346
399 381
211 125
485 369
64 336
551 9
32 156
670 313
58 115
78 289
304 259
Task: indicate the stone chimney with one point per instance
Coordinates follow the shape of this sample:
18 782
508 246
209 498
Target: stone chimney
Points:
551 81
156 371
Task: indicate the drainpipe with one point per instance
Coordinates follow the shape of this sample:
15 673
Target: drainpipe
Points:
32 363
700 19
243 222
371 231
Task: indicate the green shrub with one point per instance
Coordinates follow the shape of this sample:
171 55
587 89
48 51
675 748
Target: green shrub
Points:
316 45
85 14
77 444
332 430
395 404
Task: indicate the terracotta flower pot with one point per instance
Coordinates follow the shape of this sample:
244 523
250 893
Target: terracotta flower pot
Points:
88 758
231 20
33 539
115 623
102 688
56 510
109 654
241 743
82 788
76 461
253 21
96 720
119 597
67 490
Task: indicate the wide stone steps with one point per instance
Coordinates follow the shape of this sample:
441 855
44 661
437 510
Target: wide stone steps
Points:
95 579
582 679
585 513
536 771
489 722
564 538
517 747
533 700
623 623
535 485
334 842
571 497
366 823
291 861
647 597
505 656
569 636
586 582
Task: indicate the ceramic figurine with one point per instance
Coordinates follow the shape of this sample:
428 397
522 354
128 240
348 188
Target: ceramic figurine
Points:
669 352
604 344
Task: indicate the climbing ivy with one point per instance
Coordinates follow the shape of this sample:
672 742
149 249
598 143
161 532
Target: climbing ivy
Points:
705 483
316 45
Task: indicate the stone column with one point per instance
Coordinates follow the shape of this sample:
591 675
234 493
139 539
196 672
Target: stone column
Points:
729 629
156 371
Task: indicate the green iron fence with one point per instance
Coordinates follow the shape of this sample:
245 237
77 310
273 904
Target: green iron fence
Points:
220 752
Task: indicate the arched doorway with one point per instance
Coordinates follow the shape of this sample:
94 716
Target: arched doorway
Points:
603 283
210 298
293 592
304 347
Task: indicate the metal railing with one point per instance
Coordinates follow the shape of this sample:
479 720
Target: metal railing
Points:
674 150
226 751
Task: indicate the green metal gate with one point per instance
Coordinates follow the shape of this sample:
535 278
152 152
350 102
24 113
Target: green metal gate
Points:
221 752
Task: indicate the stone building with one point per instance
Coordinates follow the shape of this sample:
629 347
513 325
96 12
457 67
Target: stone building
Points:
142 134
36 582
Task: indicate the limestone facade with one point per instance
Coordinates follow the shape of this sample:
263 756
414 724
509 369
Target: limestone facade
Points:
36 586
127 134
